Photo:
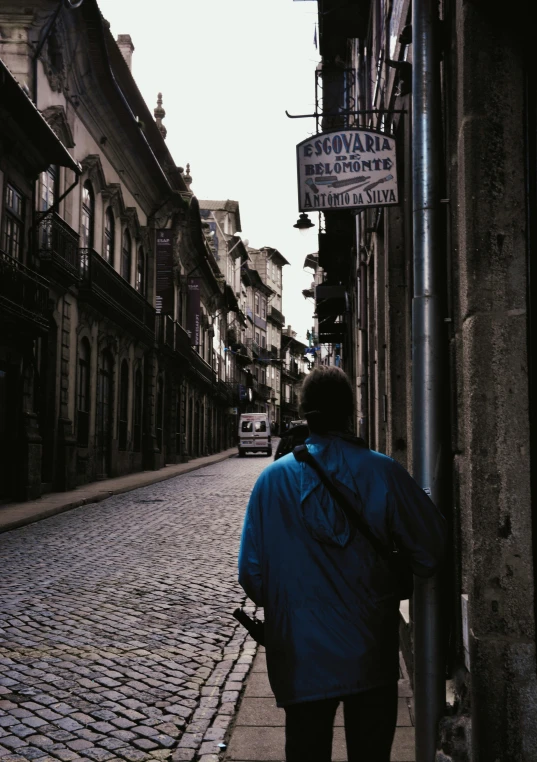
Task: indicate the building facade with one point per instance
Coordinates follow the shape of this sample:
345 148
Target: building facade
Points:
123 361
28 146
449 266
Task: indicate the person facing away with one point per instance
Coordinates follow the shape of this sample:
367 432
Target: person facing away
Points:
330 602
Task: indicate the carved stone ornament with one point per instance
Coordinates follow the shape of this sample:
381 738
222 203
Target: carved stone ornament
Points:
130 219
57 119
53 58
94 169
108 341
146 235
113 196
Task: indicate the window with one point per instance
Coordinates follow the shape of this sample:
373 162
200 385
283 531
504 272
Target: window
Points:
123 405
263 309
140 272
49 188
137 428
160 412
178 427
256 303
261 426
13 222
109 236
263 341
126 256
88 217
257 337
83 393
263 376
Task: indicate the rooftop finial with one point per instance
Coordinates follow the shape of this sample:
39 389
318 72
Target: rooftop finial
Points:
187 177
159 116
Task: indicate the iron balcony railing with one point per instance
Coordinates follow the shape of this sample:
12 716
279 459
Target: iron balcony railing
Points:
110 293
58 244
233 391
243 353
225 391
169 333
276 316
23 293
265 392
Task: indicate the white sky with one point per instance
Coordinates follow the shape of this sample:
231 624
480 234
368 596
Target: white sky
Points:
228 70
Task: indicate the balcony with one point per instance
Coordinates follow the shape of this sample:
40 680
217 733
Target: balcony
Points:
233 392
331 300
225 391
242 353
23 294
110 294
58 249
265 392
254 347
171 335
292 370
276 316
290 408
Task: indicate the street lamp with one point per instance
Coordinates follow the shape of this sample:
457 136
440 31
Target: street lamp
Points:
303 223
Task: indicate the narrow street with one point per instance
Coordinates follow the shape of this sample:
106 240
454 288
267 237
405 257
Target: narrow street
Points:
116 634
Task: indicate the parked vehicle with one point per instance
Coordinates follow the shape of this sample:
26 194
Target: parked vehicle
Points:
254 434
296 434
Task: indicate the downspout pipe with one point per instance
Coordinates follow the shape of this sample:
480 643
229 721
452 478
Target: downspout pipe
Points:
427 357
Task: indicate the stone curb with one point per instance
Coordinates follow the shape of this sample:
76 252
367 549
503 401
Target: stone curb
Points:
144 480
213 718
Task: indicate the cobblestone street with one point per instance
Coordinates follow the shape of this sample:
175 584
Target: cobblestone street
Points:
116 635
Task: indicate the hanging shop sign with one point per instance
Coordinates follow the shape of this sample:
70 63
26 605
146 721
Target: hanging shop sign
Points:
165 287
346 169
193 310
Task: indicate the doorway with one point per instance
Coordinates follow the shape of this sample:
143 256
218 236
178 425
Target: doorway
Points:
104 416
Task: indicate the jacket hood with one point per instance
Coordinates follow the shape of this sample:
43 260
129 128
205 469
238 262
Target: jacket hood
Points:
324 519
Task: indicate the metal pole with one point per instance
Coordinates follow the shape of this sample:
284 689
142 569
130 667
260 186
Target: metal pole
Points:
427 351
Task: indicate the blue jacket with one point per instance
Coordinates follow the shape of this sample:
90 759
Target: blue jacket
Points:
331 611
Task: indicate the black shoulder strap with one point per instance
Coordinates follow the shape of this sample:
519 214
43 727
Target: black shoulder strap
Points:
303 455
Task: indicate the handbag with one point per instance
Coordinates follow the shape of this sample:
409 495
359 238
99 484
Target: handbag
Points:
401 570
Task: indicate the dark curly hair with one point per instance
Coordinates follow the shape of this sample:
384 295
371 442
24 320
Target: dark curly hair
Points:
327 400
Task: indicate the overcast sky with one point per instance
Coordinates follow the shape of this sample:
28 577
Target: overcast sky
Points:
228 70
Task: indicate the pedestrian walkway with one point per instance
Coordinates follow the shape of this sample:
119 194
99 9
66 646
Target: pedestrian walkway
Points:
258 732
13 515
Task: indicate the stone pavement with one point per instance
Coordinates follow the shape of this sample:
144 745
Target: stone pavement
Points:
117 642
13 515
258 733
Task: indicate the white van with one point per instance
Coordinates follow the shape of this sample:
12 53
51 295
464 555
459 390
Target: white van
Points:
254 434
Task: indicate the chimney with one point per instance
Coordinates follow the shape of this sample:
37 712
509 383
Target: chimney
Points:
124 43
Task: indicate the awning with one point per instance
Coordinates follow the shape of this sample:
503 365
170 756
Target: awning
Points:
29 120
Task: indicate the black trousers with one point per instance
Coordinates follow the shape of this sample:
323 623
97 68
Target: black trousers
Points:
370 719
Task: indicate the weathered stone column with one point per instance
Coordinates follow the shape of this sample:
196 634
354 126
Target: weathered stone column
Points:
492 407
